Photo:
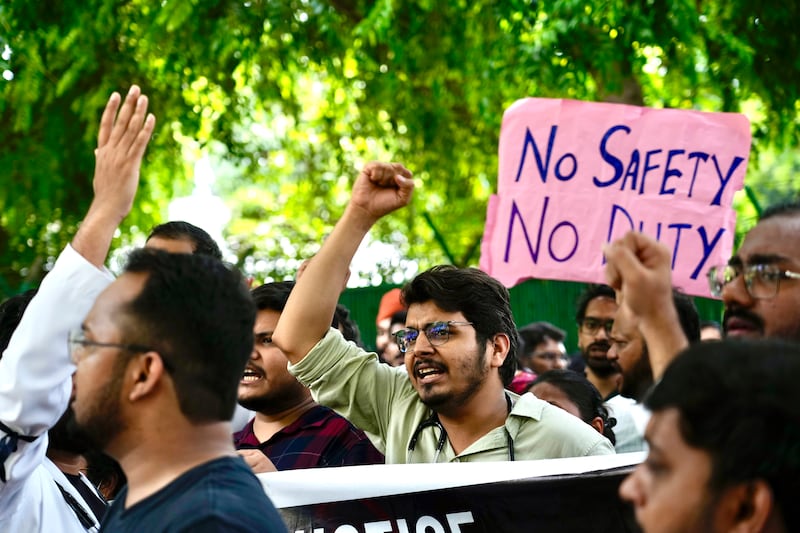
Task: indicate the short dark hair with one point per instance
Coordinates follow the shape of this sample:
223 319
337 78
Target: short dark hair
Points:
583 394
178 229
483 300
687 315
781 209
345 323
536 333
11 311
739 402
592 291
274 296
199 314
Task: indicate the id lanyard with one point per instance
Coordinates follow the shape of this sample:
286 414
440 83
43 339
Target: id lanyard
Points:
433 421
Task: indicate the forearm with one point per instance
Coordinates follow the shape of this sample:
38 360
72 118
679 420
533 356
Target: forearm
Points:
664 338
93 239
308 312
35 372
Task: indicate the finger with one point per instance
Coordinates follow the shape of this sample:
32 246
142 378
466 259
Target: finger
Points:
124 117
611 272
136 122
143 137
402 170
107 120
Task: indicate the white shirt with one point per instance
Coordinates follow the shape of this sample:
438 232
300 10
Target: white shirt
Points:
35 387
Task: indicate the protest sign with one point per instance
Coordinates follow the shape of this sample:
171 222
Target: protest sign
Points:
555 495
573 176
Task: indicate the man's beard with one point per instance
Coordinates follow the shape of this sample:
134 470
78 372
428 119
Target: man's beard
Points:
637 380
474 371
603 368
102 421
66 436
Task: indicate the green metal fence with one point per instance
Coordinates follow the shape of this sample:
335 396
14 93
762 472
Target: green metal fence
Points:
531 300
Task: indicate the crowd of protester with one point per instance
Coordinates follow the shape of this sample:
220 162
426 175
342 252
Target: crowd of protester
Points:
165 390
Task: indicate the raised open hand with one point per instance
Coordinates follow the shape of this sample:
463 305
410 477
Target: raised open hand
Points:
121 144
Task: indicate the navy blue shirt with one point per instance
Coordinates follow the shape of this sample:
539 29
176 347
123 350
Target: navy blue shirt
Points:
219 496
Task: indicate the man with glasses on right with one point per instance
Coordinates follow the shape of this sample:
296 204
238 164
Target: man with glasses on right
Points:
760 285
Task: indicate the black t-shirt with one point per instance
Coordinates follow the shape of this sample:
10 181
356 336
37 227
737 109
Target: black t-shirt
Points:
222 495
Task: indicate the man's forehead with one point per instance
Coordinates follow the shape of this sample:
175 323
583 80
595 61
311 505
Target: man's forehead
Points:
420 314
601 306
770 241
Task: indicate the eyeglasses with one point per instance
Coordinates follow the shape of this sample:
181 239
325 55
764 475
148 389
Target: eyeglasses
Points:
591 325
78 342
437 334
760 280
549 356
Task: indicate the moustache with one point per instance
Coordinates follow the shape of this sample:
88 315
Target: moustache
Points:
742 314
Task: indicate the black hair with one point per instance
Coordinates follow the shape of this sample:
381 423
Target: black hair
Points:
199 315
583 394
535 333
738 401
275 295
781 209
178 229
483 300
272 296
11 311
687 315
592 291
345 323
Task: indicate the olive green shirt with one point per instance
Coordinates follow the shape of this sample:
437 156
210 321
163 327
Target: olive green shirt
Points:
381 400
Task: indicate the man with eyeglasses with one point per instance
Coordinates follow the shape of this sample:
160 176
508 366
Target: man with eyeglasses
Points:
449 403
595 313
35 370
760 285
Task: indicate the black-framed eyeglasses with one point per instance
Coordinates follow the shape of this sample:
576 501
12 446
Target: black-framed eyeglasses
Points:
437 334
549 356
761 280
78 343
591 325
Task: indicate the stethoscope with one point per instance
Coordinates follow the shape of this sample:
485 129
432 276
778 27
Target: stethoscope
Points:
433 421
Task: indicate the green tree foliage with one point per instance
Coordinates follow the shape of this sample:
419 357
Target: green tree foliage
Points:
291 96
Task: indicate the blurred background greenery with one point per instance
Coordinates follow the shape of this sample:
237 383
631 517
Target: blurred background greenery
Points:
281 102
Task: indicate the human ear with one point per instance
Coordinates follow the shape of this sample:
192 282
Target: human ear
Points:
500 347
748 507
146 371
597 423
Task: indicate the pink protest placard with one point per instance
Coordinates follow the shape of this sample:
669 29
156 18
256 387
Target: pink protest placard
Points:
575 175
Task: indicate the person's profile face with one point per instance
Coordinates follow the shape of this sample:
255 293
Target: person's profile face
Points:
669 490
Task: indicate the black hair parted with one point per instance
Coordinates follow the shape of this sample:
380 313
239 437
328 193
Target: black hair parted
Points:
199 314
482 300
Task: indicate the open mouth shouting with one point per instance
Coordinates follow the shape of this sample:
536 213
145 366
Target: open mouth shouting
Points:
428 372
252 374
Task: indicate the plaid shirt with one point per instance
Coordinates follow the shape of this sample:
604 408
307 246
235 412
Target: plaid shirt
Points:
320 437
